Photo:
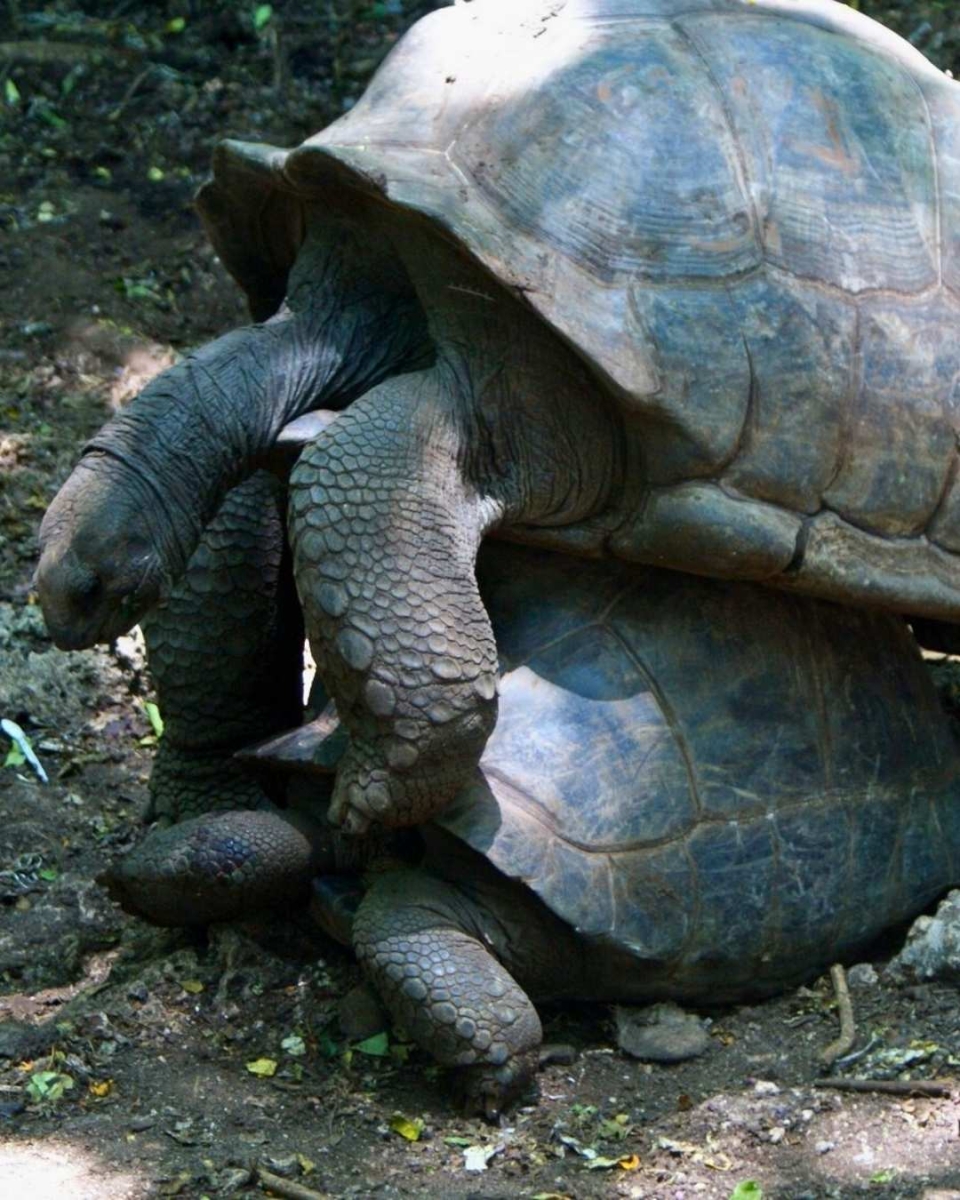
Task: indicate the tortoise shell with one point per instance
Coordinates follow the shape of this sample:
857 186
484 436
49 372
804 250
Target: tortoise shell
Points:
727 785
744 215
722 788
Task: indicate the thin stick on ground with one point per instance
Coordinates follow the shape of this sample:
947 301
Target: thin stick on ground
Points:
287 1188
892 1087
848 1029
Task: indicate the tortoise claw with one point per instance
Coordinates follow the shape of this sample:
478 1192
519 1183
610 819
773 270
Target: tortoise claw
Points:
485 1090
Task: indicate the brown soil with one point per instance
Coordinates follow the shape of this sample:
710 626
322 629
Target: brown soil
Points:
106 133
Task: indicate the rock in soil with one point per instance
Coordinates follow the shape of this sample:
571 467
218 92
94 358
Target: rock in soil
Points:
661 1033
932 949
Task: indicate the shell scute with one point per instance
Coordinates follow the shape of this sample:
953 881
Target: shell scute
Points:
737 872
908 397
793 435
838 151
621 160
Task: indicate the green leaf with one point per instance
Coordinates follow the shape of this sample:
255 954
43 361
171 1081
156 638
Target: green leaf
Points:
264 1067
886 1176
261 15
294 1044
14 757
153 716
176 25
48 874
748 1189
377 1046
48 1086
53 118
11 93
407 1128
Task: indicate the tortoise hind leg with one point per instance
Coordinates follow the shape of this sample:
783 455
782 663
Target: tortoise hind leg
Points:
225 652
417 939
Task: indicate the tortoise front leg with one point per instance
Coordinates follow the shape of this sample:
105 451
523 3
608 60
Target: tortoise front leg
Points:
225 652
385 530
417 939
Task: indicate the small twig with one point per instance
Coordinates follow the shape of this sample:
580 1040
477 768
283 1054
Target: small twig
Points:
287 1188
64 52
131 91
848 1028
281 64
849 1059
891 1087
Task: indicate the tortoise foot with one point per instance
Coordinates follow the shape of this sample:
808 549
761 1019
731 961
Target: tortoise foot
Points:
485 1090
370 792
212 868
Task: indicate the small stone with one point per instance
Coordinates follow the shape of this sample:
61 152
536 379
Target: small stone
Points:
142 1122
932 949
862 976
766 1087
777 1134
284 1165
660 1033
232 1179
824 1147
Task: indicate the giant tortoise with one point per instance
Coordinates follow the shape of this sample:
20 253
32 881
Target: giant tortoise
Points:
669 281
694 788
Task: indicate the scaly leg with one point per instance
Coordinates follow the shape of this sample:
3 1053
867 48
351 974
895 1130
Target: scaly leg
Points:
419 941
225 652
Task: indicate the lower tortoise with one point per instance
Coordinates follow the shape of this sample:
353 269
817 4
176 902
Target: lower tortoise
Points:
695 789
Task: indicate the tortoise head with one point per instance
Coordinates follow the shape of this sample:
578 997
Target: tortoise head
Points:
102 565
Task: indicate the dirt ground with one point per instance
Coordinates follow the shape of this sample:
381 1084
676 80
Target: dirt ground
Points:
138 1063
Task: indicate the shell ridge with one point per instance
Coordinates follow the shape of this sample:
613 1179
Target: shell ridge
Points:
673 723
744 438
851 403
744 179
937 195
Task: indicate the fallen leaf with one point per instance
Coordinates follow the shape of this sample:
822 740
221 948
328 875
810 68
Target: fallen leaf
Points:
407 1128
475 1158
264 1067
747 1189
376 1046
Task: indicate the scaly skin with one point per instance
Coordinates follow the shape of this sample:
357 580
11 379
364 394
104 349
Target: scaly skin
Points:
385 534
506 430
433 948
225 653
418 940
217 867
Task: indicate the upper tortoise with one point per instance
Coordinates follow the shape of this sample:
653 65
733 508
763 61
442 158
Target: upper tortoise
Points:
671 280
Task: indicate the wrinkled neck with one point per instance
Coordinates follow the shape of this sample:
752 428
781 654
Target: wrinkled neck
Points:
350 320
